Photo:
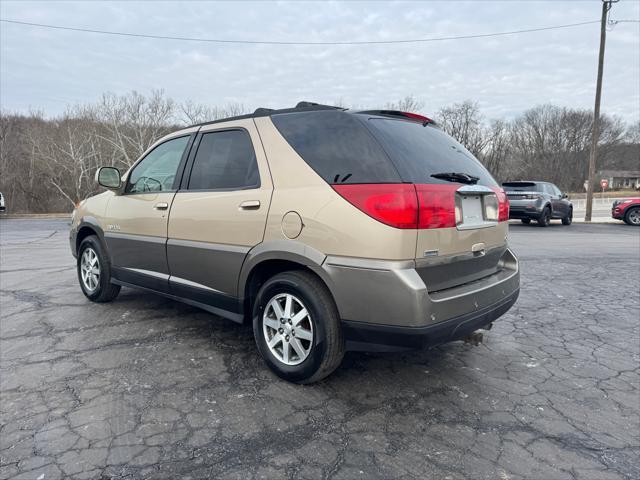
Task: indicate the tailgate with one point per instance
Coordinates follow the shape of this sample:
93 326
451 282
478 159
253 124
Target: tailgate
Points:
448 257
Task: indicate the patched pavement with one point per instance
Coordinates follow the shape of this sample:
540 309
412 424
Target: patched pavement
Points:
145 387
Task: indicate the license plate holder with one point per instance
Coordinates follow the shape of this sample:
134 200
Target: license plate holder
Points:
472 208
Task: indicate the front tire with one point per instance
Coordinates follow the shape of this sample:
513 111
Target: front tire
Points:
569 218
545 218
297 328
632 216
94 271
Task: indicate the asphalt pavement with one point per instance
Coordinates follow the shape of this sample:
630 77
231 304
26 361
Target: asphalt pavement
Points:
146 387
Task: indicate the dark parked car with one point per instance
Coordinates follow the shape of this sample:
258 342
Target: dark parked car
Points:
627 210
539 201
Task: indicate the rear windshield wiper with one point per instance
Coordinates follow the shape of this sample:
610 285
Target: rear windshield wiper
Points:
457 177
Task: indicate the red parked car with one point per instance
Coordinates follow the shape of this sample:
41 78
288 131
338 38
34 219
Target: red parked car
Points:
627 210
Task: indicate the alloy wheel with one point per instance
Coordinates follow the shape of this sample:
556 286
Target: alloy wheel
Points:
90 269
634 216
288 329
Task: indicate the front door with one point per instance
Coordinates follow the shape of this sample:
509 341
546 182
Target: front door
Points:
218 214
136 219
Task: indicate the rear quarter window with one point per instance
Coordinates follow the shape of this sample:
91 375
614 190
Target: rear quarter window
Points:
337 146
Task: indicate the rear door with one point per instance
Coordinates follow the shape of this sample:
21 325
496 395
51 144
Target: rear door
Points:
219 213
557 202
449 251
136 219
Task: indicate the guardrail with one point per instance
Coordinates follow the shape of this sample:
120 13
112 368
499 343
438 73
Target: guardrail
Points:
599 202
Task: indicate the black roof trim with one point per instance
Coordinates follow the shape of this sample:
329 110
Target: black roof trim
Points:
266 112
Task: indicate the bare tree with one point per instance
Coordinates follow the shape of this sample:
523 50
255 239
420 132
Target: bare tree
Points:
498 147
406 104
134 122
632 135
464 122
66 152
49 164
193 113
551 143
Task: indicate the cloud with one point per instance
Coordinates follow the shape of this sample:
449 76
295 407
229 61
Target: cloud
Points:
50 68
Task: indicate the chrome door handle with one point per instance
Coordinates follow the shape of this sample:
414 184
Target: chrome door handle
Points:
250 205
161 206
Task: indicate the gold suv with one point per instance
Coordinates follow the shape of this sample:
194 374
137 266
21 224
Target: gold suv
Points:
329 230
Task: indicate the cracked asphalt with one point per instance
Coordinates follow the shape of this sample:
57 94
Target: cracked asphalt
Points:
146 387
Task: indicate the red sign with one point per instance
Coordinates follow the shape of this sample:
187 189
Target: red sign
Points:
604 183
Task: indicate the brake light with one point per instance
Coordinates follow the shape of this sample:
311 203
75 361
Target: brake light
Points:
503 204
408 206
415 116
394 204
437 205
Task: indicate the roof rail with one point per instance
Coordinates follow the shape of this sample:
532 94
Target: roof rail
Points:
262 111
305 104
265 112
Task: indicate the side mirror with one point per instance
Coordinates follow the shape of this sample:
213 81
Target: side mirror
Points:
108 177
564 195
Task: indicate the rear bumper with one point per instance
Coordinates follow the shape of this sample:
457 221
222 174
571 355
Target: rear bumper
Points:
382 302
525 208
529 211
385 338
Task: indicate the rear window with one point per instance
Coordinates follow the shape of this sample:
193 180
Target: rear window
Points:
420 151
337 146
522 187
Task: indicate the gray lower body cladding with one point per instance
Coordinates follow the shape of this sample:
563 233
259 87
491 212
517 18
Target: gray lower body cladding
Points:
379 296
388 338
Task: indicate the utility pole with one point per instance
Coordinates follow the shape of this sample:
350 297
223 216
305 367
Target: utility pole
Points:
606 6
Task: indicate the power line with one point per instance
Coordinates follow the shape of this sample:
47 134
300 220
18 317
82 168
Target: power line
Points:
273 42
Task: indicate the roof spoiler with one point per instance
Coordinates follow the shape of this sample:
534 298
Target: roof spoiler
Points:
398 114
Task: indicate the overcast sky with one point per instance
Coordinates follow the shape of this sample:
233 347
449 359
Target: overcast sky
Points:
50 69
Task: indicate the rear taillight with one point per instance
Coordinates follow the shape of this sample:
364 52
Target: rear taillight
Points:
437 205
394 204
503 204
408 206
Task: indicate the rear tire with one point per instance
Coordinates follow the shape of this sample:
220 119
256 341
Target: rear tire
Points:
569 218
322 346
545 218
526 221
94 271
632 216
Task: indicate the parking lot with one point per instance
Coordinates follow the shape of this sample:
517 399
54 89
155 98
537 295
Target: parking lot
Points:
146 387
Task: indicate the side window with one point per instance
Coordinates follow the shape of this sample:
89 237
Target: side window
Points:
224 160
556 190
157 171
337 147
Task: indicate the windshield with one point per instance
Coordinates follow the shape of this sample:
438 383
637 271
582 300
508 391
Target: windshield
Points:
420 152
